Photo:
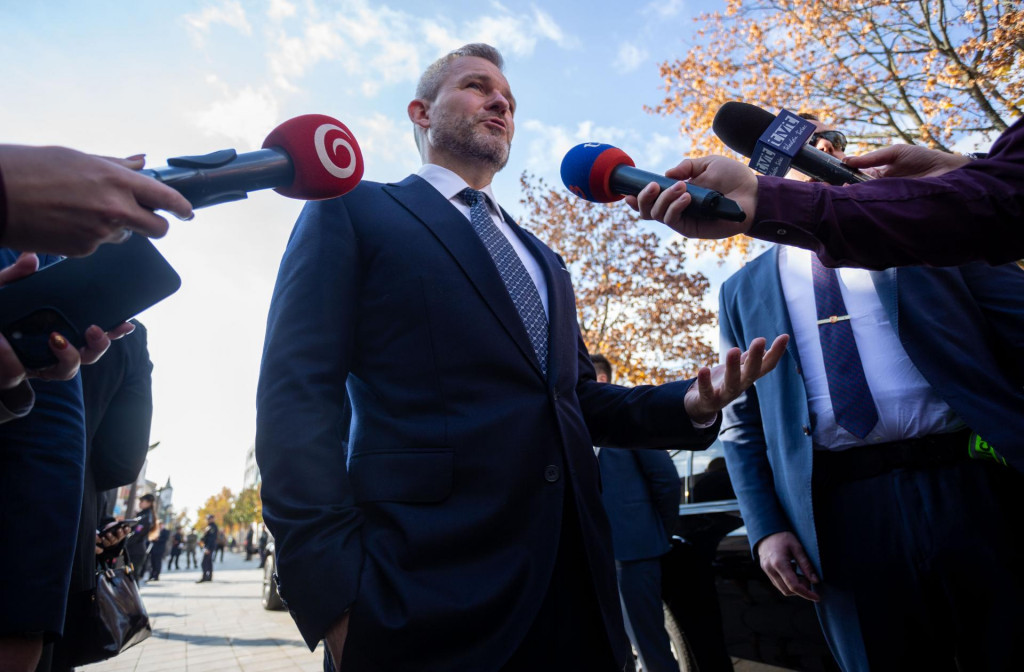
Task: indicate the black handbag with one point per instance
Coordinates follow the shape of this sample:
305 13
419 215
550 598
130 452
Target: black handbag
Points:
117 618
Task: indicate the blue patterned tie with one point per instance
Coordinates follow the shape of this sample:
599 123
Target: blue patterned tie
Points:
517 280
852 403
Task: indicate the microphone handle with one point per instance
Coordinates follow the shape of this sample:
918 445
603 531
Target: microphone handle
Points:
827 168
210 185
707 203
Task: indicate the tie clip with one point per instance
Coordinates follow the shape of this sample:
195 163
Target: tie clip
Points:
833 319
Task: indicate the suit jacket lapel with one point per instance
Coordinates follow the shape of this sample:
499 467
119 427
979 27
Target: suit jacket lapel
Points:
456 234
771 311
886 287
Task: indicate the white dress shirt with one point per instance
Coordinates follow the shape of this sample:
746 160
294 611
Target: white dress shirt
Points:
450 185
907 405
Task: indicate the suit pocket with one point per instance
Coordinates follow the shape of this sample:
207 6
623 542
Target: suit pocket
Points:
407 476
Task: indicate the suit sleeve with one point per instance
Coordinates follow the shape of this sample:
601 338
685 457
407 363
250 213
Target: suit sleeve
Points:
974 213
646 416
663 481
746 449
302 425
121 441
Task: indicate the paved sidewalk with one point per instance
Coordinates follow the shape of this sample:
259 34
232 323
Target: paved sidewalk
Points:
214 626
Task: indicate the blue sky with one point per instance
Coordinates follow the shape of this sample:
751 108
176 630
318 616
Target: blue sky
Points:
189 77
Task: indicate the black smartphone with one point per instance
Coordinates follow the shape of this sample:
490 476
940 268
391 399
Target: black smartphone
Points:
106 288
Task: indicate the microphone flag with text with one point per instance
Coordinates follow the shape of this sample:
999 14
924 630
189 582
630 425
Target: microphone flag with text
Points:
776 143
604 174
311 157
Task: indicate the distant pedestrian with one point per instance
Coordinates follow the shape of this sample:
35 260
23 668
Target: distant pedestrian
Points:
191 541
250 548
156 553
264 540
136 545
222 542
177 539
210 538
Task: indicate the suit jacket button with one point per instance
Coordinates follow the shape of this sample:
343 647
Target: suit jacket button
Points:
551 473
556 395
807 430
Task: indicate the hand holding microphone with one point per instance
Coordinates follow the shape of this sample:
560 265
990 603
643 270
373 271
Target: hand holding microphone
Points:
61 201
604 174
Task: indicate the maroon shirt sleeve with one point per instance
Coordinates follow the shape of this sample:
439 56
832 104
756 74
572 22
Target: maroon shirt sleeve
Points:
974 213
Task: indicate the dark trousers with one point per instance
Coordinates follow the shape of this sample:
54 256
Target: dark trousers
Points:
923 568
175 558
208 565
156 561
190 558
640 589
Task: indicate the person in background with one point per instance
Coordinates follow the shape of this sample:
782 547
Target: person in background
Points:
210 537
641 494
137 546
880 466
176 541
157 552
191 542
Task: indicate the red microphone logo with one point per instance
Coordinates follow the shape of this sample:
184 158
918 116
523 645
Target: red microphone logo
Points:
325 155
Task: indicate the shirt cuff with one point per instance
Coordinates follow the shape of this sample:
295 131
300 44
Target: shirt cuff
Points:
16 402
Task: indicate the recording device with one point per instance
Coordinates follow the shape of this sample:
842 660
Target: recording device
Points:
604 174
105 288
118 524
311 157
741 125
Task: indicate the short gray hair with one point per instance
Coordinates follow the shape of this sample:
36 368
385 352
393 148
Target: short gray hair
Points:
435 74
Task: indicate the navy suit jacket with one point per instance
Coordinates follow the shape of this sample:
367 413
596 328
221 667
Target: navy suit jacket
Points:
963 328
438 526
641 494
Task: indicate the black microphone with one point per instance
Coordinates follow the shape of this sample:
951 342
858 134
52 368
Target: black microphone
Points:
310 157
740 125
603 173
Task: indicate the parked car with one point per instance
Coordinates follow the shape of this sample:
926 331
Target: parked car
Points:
271 599
719 605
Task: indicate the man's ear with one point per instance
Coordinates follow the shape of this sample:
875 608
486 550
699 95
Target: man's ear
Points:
419 113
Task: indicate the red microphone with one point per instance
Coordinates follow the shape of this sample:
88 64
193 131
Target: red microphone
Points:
310 158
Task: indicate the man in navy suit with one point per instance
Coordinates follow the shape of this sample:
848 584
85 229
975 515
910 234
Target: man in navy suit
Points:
641 495
877 512
455 522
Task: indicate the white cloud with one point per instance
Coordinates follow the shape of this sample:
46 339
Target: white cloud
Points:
400 43
229 13
630 57
243 116
385 142
665 8
280 9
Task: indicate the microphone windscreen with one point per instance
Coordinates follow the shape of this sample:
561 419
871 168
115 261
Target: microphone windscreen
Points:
587 169
739 125
325 154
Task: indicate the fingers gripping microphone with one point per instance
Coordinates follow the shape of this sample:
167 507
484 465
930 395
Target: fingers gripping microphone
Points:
604 174
311 157
741 125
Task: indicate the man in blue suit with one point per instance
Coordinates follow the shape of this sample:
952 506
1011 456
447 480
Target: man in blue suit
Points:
462 527
641 495
876 512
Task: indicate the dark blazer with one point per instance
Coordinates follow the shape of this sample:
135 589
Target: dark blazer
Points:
42 458
438 527
963 328
641 494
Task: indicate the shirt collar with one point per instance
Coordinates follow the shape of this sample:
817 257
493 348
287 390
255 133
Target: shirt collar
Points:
450 184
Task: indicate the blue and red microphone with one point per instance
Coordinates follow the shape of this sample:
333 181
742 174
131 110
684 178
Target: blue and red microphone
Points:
604 174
